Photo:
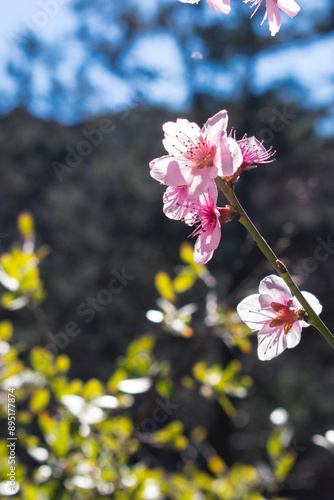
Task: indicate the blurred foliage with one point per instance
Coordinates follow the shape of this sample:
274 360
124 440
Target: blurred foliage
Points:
94 439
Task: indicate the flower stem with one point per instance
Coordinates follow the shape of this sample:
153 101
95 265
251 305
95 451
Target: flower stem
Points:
280 268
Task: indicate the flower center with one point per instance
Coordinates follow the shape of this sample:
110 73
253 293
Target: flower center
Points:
206 218
201 154
286 315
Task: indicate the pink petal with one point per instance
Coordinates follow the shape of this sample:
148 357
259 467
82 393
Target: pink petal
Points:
271 342
177 205
200 256
294 335
220 5
277 289
274 17
199 182
230 157
215 127
212 191
179 135
252 313
290 7
167 171
209 240
206 244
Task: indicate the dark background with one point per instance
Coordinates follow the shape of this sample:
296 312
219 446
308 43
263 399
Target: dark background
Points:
107 214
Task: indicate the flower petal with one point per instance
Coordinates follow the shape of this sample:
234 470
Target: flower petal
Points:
180 135
229 157
215 127
206 244
314 303
271 342
199 182
177 205
275 287
274 17
294 335
290 7
252 313
167 171
222 6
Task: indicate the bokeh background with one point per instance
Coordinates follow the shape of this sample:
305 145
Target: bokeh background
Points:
65 67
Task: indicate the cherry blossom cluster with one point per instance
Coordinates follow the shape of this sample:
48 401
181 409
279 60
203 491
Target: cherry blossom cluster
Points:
196 157
272 12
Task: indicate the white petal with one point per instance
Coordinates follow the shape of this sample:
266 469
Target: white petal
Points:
294 335
91 415
8 282
180 136
271 342
73 403
106 401
155 316
38 453
277 289
135 385
314 303
251 312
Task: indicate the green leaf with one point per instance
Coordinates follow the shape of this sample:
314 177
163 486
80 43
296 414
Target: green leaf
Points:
62 441
283 466
63 363
274 445
39 400
6 330
26 225
185 280
186 253
93 389
164 286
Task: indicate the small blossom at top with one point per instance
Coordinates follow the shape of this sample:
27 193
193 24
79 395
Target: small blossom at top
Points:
277 316
196 156
253 152
290 7
220 5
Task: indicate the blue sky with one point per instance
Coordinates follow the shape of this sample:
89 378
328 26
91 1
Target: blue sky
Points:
55 23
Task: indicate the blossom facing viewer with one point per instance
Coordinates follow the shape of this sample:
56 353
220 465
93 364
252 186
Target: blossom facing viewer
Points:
196 156
277 316
290 7
222 6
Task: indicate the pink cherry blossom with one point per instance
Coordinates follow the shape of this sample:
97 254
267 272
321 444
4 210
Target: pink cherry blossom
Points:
177 205
253 152
207 218
196 156
220 5
202 212
277 315
290 7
